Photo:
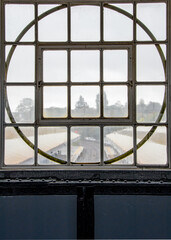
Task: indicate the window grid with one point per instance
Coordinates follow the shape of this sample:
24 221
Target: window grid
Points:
133 123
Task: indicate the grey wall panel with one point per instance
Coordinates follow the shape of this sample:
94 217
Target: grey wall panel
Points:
38 217
132 217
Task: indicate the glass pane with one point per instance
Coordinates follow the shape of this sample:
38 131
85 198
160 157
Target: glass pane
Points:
22 65
54 26
17 151
117 27
118 140
153 151
55 66
85 23
85 66
53 141
126 7
17 17
42 8
153 15
85 101
149 102
115 101
21 103
55 102
149 64
115 65
85 148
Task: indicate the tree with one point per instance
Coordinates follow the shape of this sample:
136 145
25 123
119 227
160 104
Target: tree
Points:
25 109
81 104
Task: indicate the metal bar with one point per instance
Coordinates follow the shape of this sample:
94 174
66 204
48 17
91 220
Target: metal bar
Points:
92 45
69 23
2 79
75 44
36 87
85 213
82 83
80 2
101 145
85 83
69 145
169 82
56 123
134 62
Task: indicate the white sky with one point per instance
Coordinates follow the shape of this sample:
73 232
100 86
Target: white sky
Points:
54 28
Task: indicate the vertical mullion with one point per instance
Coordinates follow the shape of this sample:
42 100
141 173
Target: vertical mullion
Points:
169 81
69 22
101 84
69 107
69 145
101 23
69 88
102 145
37 109
134 63
101 109
2 77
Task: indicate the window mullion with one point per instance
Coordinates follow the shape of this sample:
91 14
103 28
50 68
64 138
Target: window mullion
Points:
169 80
2 78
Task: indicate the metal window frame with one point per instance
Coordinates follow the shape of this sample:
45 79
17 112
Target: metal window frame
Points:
36 43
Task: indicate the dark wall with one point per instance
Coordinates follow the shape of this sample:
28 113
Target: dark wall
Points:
116 217
133 217
38 217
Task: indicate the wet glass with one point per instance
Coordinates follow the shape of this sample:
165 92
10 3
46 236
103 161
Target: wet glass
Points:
154 150
117 141
85 23
17 17
85 101
22 65
115 65
149 64
21 103
85 147
17 151
55 102
153 16
53 141
85 66
149 103
115 101
55 66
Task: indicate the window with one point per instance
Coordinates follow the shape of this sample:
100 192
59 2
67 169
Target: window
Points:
85 84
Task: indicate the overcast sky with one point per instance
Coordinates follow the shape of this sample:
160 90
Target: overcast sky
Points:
85 65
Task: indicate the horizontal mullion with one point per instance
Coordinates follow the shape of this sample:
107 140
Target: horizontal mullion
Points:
164 124
157 166
20 84
69 44
68 123
85 45
88 122
19 124
83 83
20 43
151 83
151 42
80 2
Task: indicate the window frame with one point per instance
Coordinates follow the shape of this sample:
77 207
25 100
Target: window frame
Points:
2 67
